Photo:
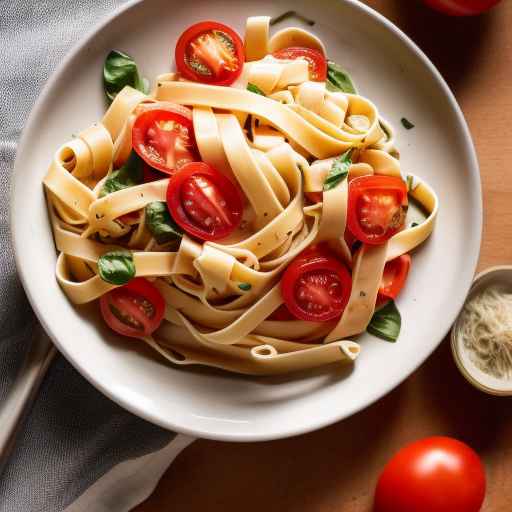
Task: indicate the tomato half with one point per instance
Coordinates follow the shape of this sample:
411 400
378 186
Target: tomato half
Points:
281 314
314 197
135 309
316 61
461 7
204 202
394 277
352 242
437 474
377 206
164 140
164 105
211 53
316 286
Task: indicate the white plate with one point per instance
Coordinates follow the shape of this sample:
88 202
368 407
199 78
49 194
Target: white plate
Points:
390 70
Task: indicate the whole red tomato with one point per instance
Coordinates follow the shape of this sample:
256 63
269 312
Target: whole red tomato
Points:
436 474
461 7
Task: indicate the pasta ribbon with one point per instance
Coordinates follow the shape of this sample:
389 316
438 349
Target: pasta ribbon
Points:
278 142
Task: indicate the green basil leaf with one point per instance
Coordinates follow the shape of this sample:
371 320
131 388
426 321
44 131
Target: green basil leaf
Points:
339 170
414 224
129 175
386 322
245 286
119 71
116 267
406 123
338 79
255 89
161 224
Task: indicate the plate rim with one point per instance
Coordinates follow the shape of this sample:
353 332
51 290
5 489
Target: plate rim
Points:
471 263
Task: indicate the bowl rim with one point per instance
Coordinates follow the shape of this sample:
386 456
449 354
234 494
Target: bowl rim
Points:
300 428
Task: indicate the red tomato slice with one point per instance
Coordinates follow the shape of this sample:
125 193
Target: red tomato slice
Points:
462 7
204 202
316 61
164 139
350 240
281 314
135 309
316 286
314 197
211 53
164 105
394 277
377 206
437 474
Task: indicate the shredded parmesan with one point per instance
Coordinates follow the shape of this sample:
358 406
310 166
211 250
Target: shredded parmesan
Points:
485 328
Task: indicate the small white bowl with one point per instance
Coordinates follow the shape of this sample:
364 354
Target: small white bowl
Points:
483 381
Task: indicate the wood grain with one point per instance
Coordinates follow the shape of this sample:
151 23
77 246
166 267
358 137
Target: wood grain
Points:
335 469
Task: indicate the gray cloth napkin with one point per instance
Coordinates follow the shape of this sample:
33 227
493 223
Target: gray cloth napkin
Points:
74 434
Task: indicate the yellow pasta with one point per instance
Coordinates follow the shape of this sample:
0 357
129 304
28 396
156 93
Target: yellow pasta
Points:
279 142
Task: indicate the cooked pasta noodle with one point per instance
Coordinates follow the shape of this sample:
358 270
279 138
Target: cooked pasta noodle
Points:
276 146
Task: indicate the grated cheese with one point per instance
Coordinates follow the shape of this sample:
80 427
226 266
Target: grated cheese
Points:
485 327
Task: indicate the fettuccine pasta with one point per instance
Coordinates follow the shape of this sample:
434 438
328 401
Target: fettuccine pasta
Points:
277 150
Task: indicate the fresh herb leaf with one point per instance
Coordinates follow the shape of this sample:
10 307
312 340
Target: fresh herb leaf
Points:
255 89
339 170
116 267
161 224
119 71
414 224
406 123
386 322
338 79
245 286
129 175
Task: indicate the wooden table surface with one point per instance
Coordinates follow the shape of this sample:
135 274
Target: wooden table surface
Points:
335 469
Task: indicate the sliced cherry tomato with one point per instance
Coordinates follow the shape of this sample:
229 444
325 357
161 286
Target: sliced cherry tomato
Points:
316 61
135 309
394 277
211 53
164 139
316 286
314 197
281 314
204 202
377 206
461 7
350 239
437 474
164 105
